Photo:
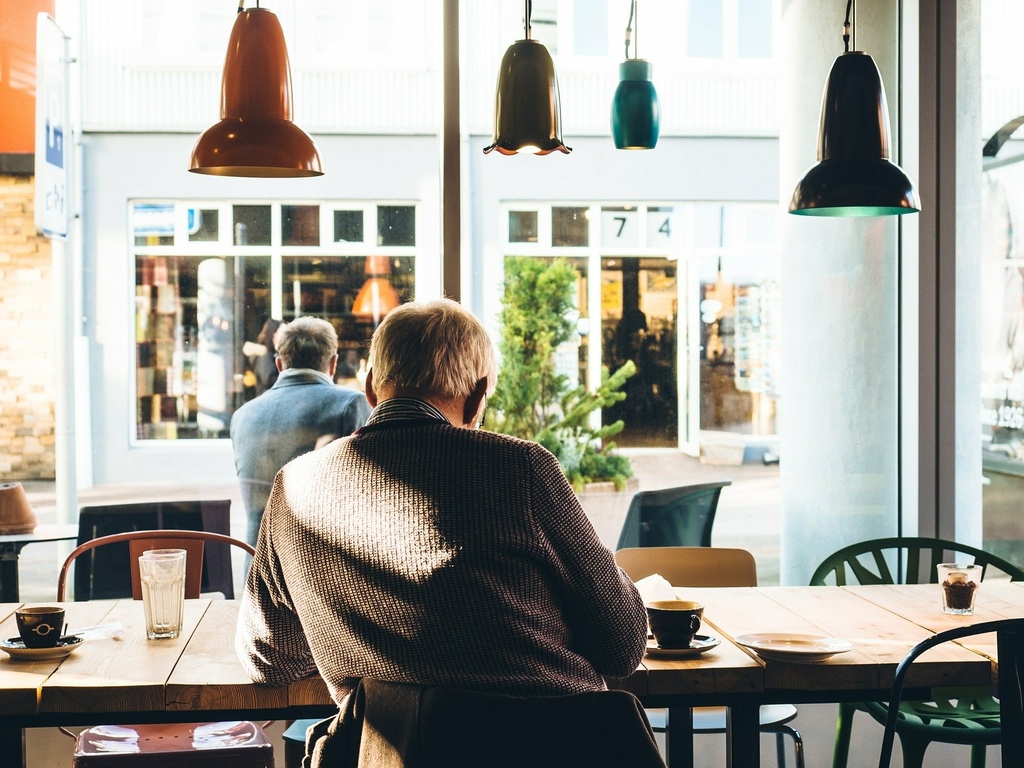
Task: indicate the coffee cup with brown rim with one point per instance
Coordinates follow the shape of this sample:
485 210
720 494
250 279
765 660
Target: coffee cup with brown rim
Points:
674 623
40 626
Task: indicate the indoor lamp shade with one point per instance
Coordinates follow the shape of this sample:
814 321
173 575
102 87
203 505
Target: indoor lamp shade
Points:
16 515
636 113
854 176
256 135
377 297
527 115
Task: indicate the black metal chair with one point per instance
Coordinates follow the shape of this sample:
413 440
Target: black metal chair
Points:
105 573
964 716
1010 644
672 517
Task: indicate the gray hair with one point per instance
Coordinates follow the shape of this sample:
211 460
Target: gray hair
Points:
306 342
435 347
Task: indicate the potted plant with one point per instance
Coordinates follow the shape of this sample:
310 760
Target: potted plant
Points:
535 402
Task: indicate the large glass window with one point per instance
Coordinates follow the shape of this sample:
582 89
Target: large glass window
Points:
203 294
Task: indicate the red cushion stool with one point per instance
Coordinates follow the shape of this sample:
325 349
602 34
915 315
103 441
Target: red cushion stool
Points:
233 744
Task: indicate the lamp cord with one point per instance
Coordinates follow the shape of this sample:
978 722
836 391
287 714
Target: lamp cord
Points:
528 12
846 27
629 28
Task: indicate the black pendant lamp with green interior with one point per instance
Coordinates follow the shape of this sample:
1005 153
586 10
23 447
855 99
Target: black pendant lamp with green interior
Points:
527 115
636 113
853 175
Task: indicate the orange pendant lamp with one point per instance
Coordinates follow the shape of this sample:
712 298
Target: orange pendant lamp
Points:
377 297
256 136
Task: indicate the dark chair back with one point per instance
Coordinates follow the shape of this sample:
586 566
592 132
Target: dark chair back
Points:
390 725
913 557
672 517
105 573
1010 643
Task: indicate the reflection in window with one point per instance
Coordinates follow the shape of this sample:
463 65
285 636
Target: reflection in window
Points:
522 226
570 227
203 225
190 326
251 225
396 225
348 226
327 287
153 223
300 225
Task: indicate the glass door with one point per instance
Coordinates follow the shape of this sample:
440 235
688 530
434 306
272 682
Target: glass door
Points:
640 323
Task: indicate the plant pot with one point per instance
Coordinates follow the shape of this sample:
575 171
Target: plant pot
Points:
606 508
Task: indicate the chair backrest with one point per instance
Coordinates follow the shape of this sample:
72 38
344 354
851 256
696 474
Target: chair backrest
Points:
914 558
137 542
104 574
406 724
1010 645
672 517
691 566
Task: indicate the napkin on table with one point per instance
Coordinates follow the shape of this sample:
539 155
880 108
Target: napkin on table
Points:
655 587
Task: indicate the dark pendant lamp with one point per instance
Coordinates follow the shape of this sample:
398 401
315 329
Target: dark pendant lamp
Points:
527 116
256 135
636 113
854 176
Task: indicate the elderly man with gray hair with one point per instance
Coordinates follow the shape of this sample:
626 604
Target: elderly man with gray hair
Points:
303 410
423 550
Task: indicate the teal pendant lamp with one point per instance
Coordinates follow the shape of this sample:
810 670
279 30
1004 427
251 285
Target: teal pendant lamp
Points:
527 114
853 175
636 113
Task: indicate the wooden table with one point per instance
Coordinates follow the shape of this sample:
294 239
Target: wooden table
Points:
197 676
883 623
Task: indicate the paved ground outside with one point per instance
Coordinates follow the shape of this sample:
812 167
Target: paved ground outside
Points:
748 511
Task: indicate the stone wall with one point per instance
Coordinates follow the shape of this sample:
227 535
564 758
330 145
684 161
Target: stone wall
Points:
27 376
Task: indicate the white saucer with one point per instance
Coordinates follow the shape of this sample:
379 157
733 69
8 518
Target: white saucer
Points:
699 645
16 649
780 646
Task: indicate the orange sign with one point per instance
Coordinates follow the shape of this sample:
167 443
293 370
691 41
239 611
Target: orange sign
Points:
18 73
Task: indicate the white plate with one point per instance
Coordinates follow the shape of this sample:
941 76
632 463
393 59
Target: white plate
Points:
700 644
780 646
16 649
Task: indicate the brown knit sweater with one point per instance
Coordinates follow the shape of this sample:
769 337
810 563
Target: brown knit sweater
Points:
415 551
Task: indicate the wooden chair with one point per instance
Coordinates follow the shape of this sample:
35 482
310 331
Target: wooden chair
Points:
182 745
1010 645
672 517
963 716
710 567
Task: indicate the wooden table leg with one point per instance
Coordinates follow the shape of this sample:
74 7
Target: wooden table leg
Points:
679 737
12 746
744 736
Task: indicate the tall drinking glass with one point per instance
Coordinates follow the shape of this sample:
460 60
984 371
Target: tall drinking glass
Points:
162 572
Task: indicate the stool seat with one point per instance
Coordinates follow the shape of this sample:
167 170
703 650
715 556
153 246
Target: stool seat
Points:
231 744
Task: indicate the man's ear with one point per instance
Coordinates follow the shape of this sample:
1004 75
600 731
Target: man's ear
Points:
279 363
332 366
371 395
471 411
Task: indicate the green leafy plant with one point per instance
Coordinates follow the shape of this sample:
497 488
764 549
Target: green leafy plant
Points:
532 400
